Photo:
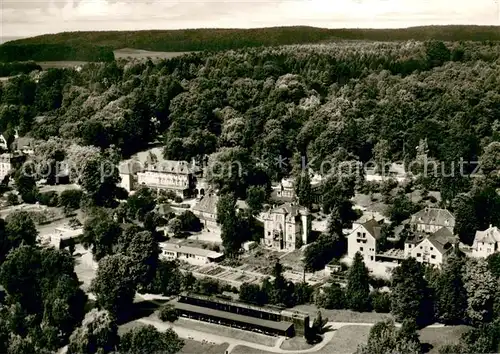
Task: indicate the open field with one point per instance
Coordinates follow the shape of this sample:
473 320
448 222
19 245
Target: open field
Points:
129 325
434 338
241 349
295 343
194 347
346 340
60 64
143 54
347 316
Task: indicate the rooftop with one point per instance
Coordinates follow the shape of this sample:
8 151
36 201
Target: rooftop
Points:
441 240
201 252
288 208
170 166
281 326
207 204
434 216
373 227
490 235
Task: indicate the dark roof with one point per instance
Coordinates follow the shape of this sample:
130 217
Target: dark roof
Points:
170 166
441 244
434 216
289 208
281 326
373 227
207 204
416 237
443 233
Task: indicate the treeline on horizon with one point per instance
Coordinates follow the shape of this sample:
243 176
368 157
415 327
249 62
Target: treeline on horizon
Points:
20 52
16 68
224 39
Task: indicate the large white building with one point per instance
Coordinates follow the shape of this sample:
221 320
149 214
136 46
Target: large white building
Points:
285 225
486 242
176 176
191 255
363 239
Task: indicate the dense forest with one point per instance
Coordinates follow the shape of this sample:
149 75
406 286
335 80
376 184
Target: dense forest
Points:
16 68
337 102
18 52
341 102
75 45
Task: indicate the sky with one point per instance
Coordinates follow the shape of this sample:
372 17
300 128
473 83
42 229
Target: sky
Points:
24 18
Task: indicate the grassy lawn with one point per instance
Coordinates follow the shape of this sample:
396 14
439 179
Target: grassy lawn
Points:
295 343
346 340
227 332
437 337
128 326
192 347
240 349
344 315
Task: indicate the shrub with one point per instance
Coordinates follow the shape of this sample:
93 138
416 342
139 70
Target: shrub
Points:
50 198
12 199
381 302
178 199
168 313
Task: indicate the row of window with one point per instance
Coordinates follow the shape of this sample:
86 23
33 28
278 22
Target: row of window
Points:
420 255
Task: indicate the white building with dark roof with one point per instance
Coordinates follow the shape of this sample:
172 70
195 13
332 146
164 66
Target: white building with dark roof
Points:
486 242
191 255
285 225
206 210
363 239
430 249
127 171
176 176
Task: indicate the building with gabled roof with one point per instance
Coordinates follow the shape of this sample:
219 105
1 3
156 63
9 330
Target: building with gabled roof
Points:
127 171
206 210
486 242
286 226
191 255
363 239
431 249
431 220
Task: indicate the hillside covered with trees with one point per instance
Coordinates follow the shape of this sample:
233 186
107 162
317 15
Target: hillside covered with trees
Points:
340 102
95 45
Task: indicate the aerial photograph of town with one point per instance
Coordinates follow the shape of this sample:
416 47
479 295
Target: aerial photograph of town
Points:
240 177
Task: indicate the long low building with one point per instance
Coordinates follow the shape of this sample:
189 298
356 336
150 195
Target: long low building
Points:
265 320
235 320
192 255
